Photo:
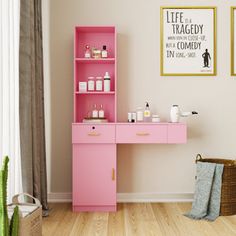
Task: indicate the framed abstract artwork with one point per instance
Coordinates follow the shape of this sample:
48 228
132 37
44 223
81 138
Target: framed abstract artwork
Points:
188 41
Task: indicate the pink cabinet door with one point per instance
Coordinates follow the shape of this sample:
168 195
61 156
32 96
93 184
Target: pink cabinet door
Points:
94 175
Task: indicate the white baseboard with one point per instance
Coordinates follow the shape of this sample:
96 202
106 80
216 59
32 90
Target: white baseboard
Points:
155 197
132 197
59 197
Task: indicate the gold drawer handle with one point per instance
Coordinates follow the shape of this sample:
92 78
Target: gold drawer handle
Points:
142 134
94 134
113 175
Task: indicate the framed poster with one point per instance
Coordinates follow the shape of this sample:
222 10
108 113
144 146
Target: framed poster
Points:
233 36
188 41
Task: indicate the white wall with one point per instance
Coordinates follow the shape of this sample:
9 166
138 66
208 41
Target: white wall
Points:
141 168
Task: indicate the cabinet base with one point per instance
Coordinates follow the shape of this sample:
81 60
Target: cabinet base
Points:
94 208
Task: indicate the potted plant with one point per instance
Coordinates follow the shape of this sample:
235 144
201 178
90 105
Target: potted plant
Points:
5 228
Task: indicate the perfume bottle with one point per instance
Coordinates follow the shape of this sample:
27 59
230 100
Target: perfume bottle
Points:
104 51
87 53
101 112
95 111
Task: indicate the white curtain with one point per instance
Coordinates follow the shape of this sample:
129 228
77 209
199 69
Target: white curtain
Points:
9 92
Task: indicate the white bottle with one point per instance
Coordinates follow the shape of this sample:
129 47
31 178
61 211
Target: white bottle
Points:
95 111
107 82
147 113
91 83
101 112
98 83
174 114
139 114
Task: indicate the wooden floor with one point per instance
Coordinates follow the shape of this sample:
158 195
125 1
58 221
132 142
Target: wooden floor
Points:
131 219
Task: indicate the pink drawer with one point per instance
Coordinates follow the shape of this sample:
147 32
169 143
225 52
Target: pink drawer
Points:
141 133
177 133
93 133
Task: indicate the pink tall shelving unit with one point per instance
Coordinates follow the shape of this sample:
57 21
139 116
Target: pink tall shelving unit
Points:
94 148
94 144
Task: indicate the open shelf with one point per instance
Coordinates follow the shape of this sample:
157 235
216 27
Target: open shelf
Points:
97 61
95 29
95 93
85 104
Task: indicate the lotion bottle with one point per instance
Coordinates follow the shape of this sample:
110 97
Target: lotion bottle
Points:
147 113
107 82
95 111
101 112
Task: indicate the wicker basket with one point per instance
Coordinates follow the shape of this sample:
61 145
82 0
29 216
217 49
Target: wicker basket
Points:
228 189
31 224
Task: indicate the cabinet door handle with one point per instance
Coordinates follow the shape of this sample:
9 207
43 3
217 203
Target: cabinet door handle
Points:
113 175
142 134
94 134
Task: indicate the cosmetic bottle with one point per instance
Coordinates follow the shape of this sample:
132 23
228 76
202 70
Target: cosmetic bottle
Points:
101 112
104 51
95 111
91 83
107 82
87 53
98 83
139 114
147 113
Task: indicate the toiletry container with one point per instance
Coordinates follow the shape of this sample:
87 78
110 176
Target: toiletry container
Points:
95 111
147 113
87 53
98 83
174 114
155 118
134 117
82 86
101 112
107 82
129 117
91 83
96 53
139 114
104 51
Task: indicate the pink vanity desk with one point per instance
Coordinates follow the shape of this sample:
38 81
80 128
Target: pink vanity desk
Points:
94 157
94 145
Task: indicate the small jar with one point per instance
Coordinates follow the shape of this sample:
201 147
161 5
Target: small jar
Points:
129 117
139 114
96 53
155 118
91 83
98 83
134 117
